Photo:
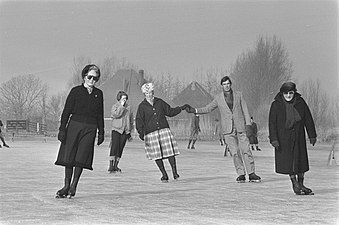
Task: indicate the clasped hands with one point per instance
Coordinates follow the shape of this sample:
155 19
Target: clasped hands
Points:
188 108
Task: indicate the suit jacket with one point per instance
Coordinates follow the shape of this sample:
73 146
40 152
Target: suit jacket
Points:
238 117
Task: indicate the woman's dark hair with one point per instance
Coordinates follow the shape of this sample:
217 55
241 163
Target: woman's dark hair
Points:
88 68
120 94
288 86
225 78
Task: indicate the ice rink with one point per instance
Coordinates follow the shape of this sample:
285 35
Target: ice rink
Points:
206 193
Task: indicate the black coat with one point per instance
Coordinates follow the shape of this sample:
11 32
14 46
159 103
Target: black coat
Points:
151 118
291 157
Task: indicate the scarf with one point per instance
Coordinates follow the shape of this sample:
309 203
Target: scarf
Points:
292 115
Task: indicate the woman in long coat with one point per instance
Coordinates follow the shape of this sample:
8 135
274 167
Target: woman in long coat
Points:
288 117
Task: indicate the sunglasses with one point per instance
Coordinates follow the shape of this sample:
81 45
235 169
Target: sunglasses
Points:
95 78
289 92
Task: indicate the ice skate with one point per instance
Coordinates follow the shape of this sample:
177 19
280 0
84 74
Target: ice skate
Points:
241 179
164 179
254 178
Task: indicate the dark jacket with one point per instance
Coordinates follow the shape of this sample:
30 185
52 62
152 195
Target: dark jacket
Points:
291 156
83 107
151 118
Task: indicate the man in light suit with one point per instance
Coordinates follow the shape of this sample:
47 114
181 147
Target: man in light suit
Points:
234 121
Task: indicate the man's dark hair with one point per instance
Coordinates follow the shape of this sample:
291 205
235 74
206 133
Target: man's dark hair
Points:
225 78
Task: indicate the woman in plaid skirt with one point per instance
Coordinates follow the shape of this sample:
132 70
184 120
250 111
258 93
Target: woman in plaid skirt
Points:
153 129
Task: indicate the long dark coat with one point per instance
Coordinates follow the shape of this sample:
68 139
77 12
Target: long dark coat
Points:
291 157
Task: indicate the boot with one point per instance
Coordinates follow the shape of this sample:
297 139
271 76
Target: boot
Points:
295 185
221 142
63 192
115 166
306 190
189 143
110 169
73 187
161 167
173 164
192 147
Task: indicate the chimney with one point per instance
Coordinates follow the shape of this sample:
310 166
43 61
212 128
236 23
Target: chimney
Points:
142 78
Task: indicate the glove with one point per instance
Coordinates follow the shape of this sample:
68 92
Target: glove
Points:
190 109
141 136
62 136
101 138
275 144
129 137
313 141
184 107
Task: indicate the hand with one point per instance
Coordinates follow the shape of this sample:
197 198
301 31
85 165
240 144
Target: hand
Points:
62 136
190 109
123 101
313 141
184 107
141 136
101 138
129 137
276 145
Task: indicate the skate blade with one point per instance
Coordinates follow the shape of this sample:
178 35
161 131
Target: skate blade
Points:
255 181
61 196
241 181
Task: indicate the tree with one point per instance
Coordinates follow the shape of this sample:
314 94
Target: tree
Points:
54 109
108 67
259 74
21 96
323 111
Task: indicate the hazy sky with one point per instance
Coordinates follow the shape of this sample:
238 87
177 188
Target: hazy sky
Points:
178 37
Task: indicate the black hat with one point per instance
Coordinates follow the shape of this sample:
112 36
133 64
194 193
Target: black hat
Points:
288 86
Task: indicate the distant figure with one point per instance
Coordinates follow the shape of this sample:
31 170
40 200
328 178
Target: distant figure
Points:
2 136
288 117
252 135
195 130
234 120
153 129
82 117
122 124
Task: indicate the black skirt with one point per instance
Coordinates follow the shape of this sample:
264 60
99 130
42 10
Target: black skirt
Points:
78 148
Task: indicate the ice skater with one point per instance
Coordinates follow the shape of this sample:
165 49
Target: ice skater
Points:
82 117
234 120
252 135
2 136
153 129
195 130
122 124
288 117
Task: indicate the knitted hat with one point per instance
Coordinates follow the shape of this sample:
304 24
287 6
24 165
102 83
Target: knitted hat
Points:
147 88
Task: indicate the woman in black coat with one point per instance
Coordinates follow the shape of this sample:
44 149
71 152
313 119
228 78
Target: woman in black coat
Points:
288 117
81 118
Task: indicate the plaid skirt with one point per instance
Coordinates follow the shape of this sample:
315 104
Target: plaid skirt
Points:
160 144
